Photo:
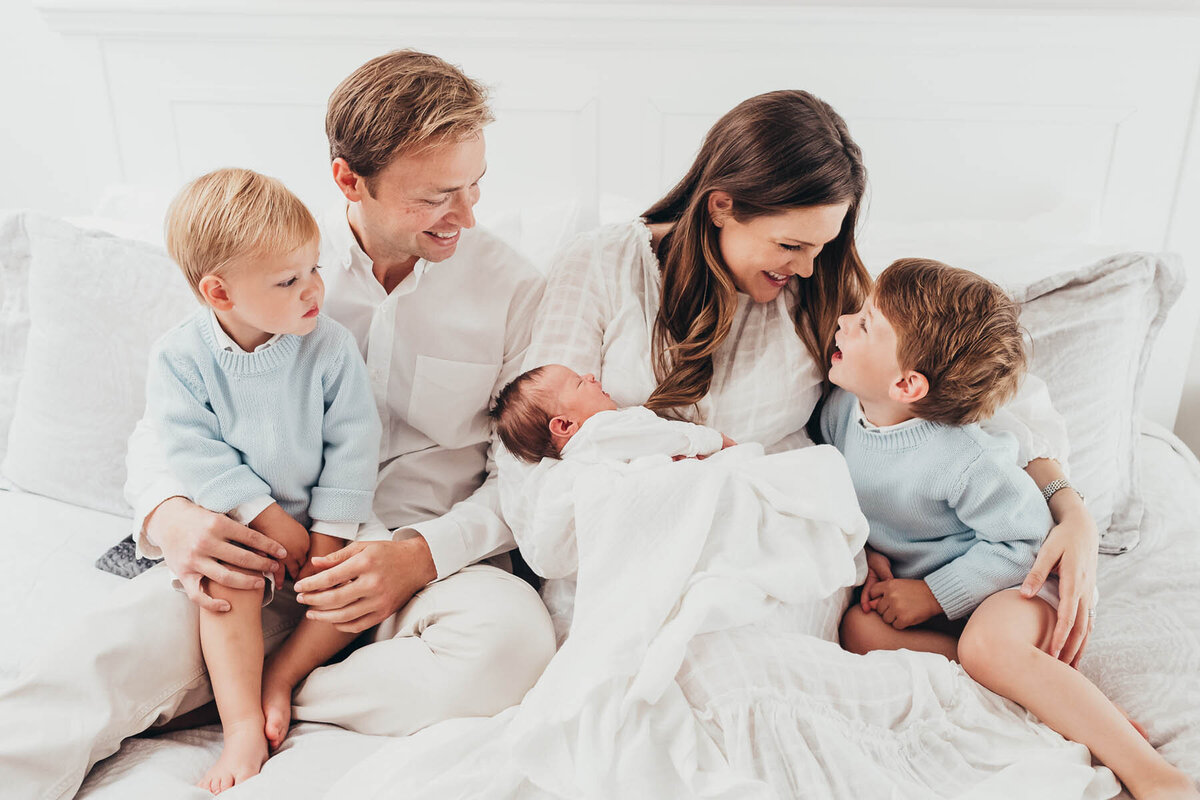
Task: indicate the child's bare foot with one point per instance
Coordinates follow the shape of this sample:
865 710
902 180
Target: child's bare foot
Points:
244 753
277 707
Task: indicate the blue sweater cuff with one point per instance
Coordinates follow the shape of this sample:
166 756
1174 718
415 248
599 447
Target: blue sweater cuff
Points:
951 592
340 505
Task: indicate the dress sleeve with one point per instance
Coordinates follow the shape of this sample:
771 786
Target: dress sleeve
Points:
1030 418
575 309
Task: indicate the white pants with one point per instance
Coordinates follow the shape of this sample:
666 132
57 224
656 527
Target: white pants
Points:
469 645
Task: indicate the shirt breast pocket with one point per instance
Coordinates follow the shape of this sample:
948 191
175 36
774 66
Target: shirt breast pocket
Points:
450 400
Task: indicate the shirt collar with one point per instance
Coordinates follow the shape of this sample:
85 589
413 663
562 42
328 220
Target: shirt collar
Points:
870 426
225 342
340 247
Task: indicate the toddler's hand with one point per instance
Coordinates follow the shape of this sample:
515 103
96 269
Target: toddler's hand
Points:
903 603
879 568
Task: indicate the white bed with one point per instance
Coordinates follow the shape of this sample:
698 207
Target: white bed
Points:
1144 653
1027 145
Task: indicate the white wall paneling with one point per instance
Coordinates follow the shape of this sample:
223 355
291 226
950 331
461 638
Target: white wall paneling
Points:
1070 126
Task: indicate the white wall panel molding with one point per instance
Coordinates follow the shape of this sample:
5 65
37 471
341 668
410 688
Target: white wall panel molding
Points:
1079 119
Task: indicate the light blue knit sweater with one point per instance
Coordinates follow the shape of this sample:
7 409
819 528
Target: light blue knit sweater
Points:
295 421
946 503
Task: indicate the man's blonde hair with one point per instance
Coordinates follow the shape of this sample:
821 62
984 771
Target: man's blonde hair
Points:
959 330
399 103
230 214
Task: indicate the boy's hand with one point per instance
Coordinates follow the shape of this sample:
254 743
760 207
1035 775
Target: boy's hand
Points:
319 544
879 568
903 603
276 523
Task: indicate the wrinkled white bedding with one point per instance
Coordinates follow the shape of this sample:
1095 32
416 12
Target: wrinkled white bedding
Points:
1145 651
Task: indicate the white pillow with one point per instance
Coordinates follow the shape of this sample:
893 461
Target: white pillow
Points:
1093 330
14 315
96 305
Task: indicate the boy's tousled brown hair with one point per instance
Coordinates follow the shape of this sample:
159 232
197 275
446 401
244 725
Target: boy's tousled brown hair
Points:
959 330
521 418
398 103
232 213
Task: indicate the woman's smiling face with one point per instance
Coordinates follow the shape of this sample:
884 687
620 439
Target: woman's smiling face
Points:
764 252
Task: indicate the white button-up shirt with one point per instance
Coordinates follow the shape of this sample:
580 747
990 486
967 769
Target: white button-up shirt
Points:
438 348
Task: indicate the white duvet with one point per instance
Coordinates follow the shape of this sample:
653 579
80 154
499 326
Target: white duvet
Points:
692 561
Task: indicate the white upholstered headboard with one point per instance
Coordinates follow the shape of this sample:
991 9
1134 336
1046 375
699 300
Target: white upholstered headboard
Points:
1065 132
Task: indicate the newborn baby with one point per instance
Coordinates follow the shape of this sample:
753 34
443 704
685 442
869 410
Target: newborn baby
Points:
553 412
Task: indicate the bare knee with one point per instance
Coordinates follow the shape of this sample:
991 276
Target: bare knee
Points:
855 630
235 597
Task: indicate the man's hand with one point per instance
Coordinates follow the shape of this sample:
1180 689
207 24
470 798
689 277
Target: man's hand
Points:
319 545
364 583
879 568
278 524
197 544
903 603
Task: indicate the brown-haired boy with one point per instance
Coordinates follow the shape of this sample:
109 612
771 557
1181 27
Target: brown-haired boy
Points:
954 522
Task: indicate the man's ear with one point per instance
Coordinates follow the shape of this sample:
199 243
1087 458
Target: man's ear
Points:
720 206
910 388
561 427
352 185
215 292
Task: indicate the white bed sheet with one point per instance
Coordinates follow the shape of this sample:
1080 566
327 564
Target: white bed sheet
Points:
1144 653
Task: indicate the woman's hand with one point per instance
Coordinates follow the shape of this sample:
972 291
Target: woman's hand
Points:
197 544
364 583
1072 548
879 568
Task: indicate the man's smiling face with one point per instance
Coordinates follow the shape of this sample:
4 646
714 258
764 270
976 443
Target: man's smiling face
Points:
419 204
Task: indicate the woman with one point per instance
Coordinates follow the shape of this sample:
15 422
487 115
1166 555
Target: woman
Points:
720 307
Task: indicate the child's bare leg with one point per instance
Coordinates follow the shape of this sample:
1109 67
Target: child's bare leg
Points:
864 631
310 645
1001 648
233 652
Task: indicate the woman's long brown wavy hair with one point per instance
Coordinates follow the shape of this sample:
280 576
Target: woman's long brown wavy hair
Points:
772 153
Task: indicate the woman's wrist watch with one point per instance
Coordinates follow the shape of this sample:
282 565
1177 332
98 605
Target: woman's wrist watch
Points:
1055 485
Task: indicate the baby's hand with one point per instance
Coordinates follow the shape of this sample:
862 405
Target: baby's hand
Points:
320 544
879 568
727 442
903 603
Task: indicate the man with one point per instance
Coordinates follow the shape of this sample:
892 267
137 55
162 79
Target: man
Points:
442 314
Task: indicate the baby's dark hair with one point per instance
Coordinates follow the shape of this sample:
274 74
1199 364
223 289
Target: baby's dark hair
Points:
959 330
522 421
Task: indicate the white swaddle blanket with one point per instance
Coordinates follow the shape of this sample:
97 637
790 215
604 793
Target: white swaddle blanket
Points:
664 552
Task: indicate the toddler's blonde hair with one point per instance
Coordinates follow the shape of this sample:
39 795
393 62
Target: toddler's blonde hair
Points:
232 213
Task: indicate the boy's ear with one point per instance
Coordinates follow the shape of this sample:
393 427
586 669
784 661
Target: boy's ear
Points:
561 427
215 292
910 388
352 185
720 206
